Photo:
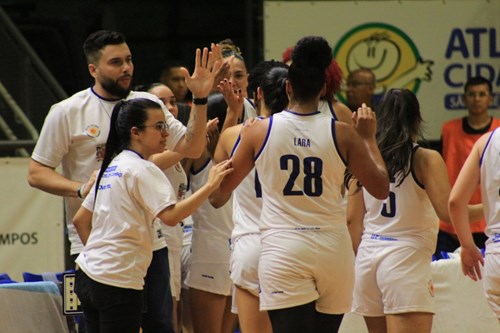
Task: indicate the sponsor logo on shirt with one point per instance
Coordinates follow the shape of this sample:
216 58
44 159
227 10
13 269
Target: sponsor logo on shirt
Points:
93 131
496 238
384 238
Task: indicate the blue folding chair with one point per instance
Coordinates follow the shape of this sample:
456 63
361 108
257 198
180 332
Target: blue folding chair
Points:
57 278
5 278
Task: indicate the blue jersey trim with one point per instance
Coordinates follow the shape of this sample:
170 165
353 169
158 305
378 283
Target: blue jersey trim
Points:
411 168
334 136
194 172
265 140
302 114
486 146
332 111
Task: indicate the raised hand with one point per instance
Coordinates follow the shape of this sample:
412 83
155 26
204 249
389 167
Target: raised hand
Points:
365 121
201 81
223 71
232 95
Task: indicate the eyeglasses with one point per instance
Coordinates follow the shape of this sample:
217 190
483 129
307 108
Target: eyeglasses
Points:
161 126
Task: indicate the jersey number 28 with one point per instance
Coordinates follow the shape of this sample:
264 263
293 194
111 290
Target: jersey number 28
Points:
312 182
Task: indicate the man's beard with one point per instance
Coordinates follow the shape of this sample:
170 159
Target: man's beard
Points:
114 88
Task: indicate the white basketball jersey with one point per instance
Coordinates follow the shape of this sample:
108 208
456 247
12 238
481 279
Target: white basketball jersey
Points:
301 173
207 219
490 187
406 216
327 109
247 203
178 179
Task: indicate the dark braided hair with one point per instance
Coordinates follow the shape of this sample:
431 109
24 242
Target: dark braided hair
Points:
273 86
270 76
126 114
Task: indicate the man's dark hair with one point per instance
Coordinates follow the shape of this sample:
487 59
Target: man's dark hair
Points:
97 41
477 80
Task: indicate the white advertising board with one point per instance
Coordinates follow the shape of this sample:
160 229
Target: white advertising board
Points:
429 47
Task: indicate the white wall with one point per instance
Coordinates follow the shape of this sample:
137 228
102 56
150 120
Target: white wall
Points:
31 224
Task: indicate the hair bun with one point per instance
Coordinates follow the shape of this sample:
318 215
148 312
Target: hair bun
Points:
312 51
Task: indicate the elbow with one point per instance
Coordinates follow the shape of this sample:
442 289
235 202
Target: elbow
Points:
381 192
172 222
453 207
218 199
169 216
32 180
382 195
196 152
77 223
34 183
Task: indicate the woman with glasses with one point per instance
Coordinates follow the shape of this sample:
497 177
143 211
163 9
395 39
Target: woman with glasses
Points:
115 221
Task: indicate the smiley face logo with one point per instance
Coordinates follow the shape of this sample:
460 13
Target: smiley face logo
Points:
388 52
377 53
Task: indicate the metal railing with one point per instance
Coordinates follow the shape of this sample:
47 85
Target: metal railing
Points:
28 62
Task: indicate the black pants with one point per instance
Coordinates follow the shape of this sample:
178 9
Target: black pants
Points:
108 309
159 305
304 319
449 243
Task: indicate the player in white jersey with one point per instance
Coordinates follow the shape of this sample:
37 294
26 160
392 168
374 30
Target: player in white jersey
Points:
482 167
400 232
115 222
306 262
270 97
210 286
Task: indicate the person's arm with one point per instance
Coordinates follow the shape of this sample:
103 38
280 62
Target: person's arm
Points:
49 180
359 148
465 185
342 112
252 139
199 83
430 170
226 143
166 159
355 214
184 208
83 223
